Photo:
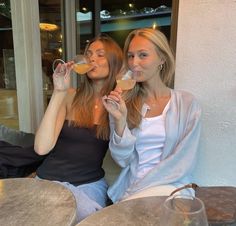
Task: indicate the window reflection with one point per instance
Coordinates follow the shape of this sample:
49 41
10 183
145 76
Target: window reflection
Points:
51 41
119 17
8 95
84 23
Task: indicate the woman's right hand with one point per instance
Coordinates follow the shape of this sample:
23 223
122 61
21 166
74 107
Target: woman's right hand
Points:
61 76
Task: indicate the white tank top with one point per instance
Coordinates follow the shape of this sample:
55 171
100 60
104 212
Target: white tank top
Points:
150 141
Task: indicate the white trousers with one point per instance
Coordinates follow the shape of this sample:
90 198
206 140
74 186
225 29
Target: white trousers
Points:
161 190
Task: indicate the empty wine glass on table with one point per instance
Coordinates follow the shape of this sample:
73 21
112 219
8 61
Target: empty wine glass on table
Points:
182 210
125 82
81 65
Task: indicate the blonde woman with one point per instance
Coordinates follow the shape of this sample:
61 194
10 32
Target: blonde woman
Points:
155 131
74 131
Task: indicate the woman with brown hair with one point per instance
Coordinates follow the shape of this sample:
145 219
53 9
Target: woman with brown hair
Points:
74 131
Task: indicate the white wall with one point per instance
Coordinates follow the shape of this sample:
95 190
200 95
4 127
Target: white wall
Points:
206 66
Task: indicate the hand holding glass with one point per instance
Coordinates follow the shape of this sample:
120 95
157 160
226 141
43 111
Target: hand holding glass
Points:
183 211
125 83
80 66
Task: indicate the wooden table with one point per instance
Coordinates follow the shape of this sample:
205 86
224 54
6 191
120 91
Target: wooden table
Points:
135 212
34 202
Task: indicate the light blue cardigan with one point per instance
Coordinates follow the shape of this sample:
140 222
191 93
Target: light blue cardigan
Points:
179 152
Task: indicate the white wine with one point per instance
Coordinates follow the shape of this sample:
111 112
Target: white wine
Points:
126 84
82 68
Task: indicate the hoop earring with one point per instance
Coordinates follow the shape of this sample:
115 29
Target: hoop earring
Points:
160 67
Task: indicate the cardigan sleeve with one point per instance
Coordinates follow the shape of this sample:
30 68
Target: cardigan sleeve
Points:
121 148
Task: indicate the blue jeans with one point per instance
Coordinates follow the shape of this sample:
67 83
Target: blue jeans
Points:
89 197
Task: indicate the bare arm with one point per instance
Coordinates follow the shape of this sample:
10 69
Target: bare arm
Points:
54 117
51 124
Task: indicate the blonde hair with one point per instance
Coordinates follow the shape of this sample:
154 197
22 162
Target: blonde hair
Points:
84 100
135 97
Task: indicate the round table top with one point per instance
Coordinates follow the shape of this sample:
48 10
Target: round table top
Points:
30 201
141 211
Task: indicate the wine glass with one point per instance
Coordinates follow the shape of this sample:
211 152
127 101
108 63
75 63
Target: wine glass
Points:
181 210
81 65
126 82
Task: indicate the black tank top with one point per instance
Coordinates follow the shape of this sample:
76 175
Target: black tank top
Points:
76 158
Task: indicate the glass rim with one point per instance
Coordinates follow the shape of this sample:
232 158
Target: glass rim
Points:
202 205
55 61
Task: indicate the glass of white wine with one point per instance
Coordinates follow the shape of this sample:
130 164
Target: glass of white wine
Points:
81 65
126 82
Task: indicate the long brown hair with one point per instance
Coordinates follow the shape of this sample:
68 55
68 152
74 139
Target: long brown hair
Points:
84 100
135 97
